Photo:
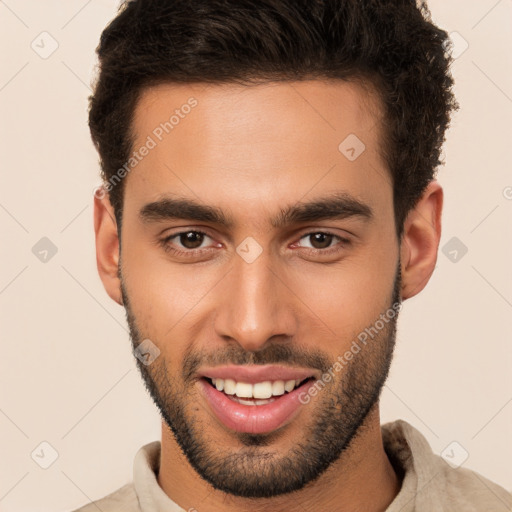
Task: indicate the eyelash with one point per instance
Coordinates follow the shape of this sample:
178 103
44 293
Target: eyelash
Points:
196 252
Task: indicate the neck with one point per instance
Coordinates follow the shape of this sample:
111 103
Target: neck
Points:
361 479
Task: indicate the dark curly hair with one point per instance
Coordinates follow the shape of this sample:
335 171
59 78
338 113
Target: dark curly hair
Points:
390 44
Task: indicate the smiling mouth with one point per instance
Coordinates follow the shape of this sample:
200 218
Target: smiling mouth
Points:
259 401
259 393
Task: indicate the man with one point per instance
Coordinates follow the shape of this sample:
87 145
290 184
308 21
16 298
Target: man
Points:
268 202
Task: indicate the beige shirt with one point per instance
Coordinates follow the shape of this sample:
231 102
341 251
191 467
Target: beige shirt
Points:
429 483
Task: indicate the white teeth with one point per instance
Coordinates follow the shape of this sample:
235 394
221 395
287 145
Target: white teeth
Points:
278 388
289 385
243 390
259 390
252 402
229 386
262 389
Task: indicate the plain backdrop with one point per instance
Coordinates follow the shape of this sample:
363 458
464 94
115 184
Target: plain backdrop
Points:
67 375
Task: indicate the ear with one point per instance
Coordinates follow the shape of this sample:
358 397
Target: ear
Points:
420 240
107 244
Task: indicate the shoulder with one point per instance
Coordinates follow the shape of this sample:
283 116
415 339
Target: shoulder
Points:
433 484
463 486
124 499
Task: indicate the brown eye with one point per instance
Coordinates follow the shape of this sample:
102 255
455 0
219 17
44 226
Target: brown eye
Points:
191 239
320 240
185 243
322 244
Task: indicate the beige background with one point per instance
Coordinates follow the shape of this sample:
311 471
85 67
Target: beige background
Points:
67 373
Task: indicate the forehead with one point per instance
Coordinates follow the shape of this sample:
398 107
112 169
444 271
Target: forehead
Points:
327 104
278 140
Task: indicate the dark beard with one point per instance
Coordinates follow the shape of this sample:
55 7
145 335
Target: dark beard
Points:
340 410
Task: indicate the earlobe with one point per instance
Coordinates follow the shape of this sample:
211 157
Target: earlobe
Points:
420 240
107 246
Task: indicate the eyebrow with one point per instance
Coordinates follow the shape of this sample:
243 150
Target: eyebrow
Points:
337 206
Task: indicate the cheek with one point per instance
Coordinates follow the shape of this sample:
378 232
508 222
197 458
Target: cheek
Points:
166 298
360 284
340 301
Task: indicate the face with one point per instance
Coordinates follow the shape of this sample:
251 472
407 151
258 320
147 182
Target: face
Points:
255 251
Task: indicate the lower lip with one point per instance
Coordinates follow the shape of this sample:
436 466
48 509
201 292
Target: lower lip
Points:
254 419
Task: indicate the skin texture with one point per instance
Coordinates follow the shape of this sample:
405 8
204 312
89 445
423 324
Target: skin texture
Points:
252 151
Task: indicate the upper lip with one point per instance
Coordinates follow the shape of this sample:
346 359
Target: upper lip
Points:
257 373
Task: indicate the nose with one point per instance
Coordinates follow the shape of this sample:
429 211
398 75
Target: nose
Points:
256 304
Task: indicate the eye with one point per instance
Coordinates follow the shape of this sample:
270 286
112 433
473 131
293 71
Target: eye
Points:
186 242
322 242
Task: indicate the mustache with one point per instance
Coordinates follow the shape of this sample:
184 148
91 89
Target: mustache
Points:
270 354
